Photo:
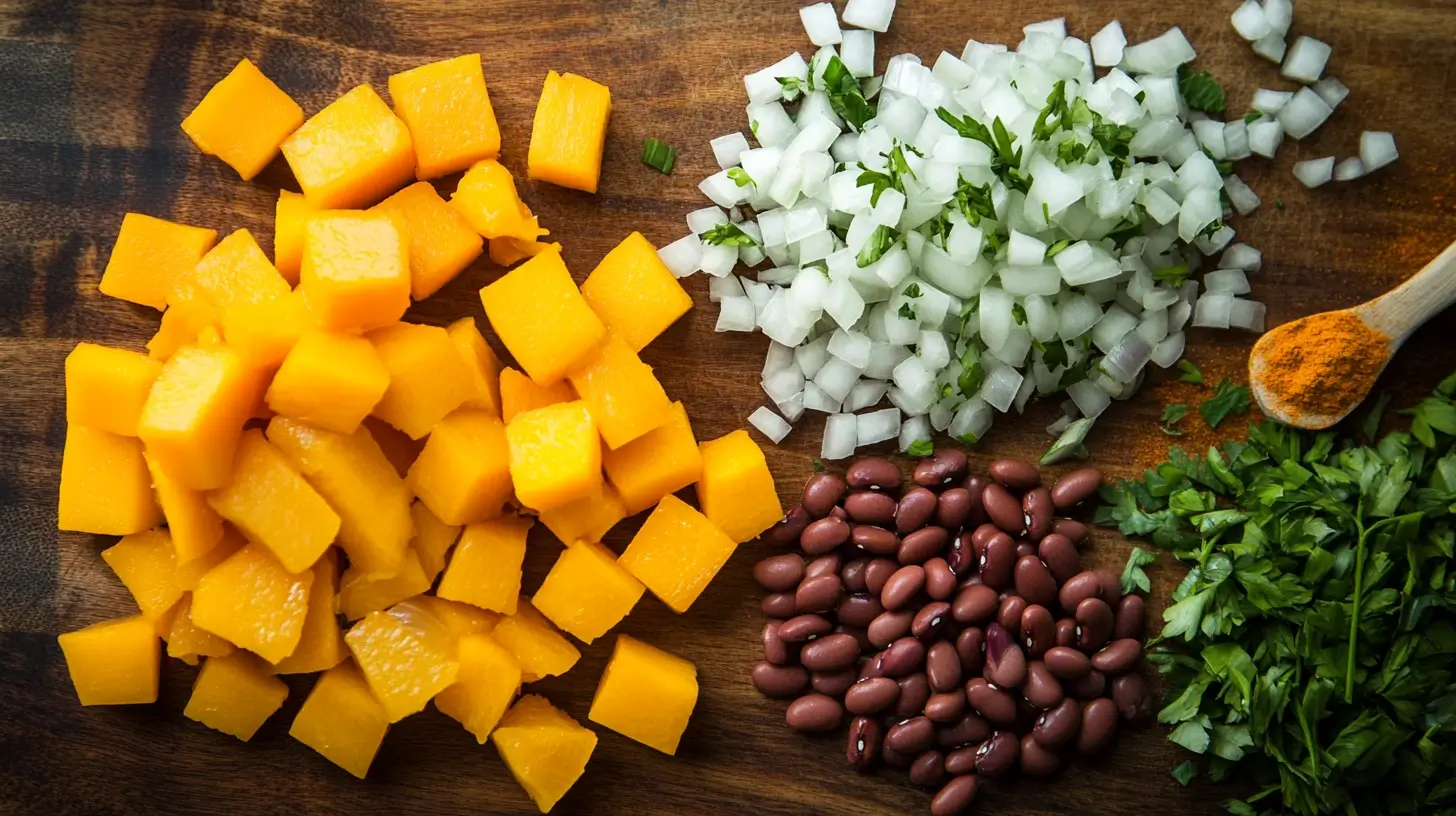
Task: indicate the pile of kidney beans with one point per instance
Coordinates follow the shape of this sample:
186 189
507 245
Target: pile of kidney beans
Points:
951 622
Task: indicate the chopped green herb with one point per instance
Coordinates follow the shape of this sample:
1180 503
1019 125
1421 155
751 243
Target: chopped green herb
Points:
845 95
1056 249
974 201
1278 202
817 465
741 177
920 447
973 374
1185 773
1200 90
1134 579
1071 151
879 243
793 87
1174 276
1252 116
1189 373
913 291
1018 313
907 312
1069 444
1227 399
1172 415
1213 227
753 126
1053 114
1054 356
659 156
728 234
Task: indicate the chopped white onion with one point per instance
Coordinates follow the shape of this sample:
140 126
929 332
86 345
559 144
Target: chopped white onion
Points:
1226 282
811 356
727 149
815 399
857 52
1108 45
971 421
793 407
1315 172
1241 196
1090 399
841 434
865 394
1161 55
1269 102
1331 90
1271 47
1280 14
1247 315
821 23
1127 359
1170 350
1243 257
915 429
871 14
877 426
1265 137
736 314
1250 22
1212 311
1304 113
1377 149
1306 60
770 424
1350 169
682 257
1000 387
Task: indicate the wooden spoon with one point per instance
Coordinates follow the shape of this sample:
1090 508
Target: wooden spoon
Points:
1396 314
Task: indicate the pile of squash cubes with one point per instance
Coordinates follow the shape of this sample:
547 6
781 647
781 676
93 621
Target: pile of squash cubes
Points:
288 451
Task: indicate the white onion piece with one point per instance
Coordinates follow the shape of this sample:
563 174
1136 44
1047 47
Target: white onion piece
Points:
1059 426
1306 60
1265 137
781 385
933 350
682 257
1077 315
1331 90
1241 256
1161 55
841 433
1241 196
1226 282
1315 172
725 287
914 429
1128 357
851 347
865 394
995 314
770 424
971 421
815 399
843 303
811 356
718 259
836 377
821 23
1280 14
877 426
857 52
1000 388
1269 102
1024 250
1236 140
871 14
779 358
793 407
1115 324
1170 350
883 360
1304 114
728 148
1271 47
1247 315
1212 311
1250 22
736 314
1349 169
1090 399
763 86
1377 149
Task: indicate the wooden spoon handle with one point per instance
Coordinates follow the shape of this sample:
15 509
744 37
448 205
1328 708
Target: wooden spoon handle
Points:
1402 310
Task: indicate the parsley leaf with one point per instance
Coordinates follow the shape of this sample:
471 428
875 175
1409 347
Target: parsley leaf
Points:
875 248
728 234
913 291
920 447
1134 579
793 87
1200 90
1174 276
1252 116
741 177
1227 399
1185 773
907 312
845 95
817 465
1189 373
1172 415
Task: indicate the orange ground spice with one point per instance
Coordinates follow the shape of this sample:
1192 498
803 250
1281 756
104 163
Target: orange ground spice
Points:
1322 364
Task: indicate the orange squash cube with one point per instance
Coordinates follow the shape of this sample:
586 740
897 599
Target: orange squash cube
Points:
264 332
634 294
407 657
556 456
360 594
235 694
427 377
646 694
236 271
447 108
253 602
676 553
433 540
321 647
147 566
488 680
194 416
149 258
105 488
569 132
486 568
509 251
355 269
737 490
189 573
624 397
487 199
354 477
243 119
460 619
544 748
114 662
586 593
289 217
195 528
107 387
399 449
464 473
275 506
586 519
482 362
186 642
441 242
521 393
538 647
342 720
331 381
541 317
175 331
662 461
352 153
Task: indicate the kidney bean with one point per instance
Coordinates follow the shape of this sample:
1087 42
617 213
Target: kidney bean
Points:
981 535
1041 688
940 469
1128 619
858 610
1016 474
877 572
778 605
962 557
956 797
1003 509
1094 624
961 760
993 703
953 509
970 647
914 510
943 666
1099 724
1111 591
912 736
1005 662
819 594
974 604
976 486
969 729
998 562
814 712
875 540
1060 557
830 653
775 650
1089 686
1076 487
786 531
902 587
928 769
1117 657
823 565
868 507
865 736
839 513
1036 760
860 634
1009 614
779 681
1058 725
871 695
946 707
902 657
1067 663
914 694
1066 632
1024 548
821 493
940 582
931 621
833 683
853 574
1038 630
922 544
1078 588
888 627
1036 513
824 535
1130 693
779 573
1075 531
1034 581
998 754
873 473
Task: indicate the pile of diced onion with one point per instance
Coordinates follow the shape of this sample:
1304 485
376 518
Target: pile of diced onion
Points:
951 324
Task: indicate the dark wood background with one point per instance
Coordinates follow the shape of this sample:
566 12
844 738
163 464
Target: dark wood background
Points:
91 95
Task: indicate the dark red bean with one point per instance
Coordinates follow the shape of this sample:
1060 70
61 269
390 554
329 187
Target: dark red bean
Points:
822 493
839 513
819 594
853 574
786 531
876 540
1015 473
1041 689
1005 662
946 707
1067 632
1024 548
1076 487
940 469
981 535
931 621
877 572
961 557
1078 588
1009 614
860 634
858 610
956 797
1059 725
869 507
871 666
833 683
1067 663
1038 630
1111 591
940 582
998 754
1094 625
1036 760
779 605
993 703
1003 509
998 562
873 473
830 653
775 650
902 657
902 587
1089 686
1099 724
969 729
914 694
779 573
823 565
915 510
894 758
1060 557
953 509
971 648
825 535
1075 531
1129 619
779 681
1130 694
943 667
975 604
976 486
871 695
912 736
814 712
1034 581
928 769
1036 513
921 545
961 760
1117 657
888 627
865 738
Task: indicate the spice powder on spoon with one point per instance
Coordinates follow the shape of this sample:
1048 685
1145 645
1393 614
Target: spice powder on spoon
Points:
1320 365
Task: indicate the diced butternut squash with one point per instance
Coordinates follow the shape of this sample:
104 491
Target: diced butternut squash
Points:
399 449
264 332
321 647
660 462
482 363
359 594
189 573
624 397
521 393
737 491
556 456
353 475
509 251
464 473
275 506
186 642
587 592
342 720
634 294
355 269
331 381
460 619
487 198
243 119
486 568
441 242
105 488
676 553
538 647
488 680
646 694
195 528
235 694
236 271
447 108
193 310
427 377
114 662
194 415
107 387
253 602
433 540
541 317
407 657
352 153
150 256
569 132
289 217
586 519
146 564
177 330
544 748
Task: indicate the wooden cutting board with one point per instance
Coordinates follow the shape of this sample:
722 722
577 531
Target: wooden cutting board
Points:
89 120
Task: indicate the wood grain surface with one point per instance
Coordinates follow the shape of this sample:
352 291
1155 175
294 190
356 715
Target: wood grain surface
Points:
91 94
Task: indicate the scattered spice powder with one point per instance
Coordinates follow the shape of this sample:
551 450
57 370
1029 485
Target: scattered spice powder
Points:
1322 364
